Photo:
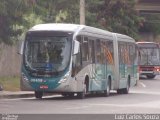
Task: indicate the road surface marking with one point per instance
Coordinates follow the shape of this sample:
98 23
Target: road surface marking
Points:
152 104
81 107
142 84
29 98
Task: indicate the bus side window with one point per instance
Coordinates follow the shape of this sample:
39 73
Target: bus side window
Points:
132 53
85 55
121 47
77 60
109 52
121 52
98 51
91 51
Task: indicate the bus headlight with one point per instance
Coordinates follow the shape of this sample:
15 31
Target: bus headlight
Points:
64 79
24 77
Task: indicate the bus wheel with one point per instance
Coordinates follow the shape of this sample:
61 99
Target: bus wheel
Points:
82 94
120 91
107 91
38 94
70 95
64 94
126 90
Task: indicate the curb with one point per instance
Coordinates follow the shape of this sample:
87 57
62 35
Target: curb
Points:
16 95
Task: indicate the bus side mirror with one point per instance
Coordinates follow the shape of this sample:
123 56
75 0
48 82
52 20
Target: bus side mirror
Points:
20 47
76 47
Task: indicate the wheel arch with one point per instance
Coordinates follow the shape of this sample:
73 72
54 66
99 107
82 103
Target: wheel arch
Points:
86 81
129 79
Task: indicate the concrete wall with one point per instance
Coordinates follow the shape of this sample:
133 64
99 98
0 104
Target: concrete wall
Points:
9 61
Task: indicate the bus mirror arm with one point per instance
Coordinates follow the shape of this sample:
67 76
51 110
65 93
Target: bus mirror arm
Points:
20 47
76 47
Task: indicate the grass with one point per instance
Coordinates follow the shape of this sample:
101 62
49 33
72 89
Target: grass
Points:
10 83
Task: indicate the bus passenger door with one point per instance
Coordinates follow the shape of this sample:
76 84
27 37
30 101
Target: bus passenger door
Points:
99 66
122 64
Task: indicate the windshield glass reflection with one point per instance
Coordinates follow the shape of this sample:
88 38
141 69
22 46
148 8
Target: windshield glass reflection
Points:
47 53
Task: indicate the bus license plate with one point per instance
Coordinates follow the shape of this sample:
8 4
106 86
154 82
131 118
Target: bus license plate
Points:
44 87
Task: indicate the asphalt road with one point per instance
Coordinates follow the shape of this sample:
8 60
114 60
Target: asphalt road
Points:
144 98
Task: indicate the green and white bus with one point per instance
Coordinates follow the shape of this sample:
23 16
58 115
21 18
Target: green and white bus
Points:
77 60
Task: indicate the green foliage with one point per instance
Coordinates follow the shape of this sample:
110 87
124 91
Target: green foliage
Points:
17 16
151 23
58 10
31 19
11 16
117 16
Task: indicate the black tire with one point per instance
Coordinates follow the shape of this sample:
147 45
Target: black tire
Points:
64 94
81 95
107 91
69 94
38 94
126 90
120 91
151 76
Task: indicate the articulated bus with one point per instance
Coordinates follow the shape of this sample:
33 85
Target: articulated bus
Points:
148 59
75 60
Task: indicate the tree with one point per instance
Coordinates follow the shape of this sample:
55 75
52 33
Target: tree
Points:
117 16
151 24
58 10
11 18
17 16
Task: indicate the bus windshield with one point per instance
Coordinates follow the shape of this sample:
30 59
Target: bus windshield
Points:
47 53
149 56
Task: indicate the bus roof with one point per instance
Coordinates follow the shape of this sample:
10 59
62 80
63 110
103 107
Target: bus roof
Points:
147 44
122 37
65 27
56 27
79 29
